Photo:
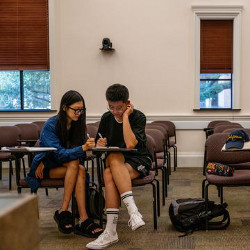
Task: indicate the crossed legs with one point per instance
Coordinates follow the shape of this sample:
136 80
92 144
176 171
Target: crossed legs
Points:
117 178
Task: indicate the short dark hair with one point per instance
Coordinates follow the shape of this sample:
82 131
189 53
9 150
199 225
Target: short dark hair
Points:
117 92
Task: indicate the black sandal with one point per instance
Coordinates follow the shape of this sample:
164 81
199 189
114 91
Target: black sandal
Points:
87 227
63 219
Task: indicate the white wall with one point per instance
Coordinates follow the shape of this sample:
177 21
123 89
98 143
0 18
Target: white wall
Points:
154 58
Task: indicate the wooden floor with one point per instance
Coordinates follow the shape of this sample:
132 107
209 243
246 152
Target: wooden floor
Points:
185 182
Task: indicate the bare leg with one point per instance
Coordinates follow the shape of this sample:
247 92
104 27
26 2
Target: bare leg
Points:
122 173
81 193
70 178
111 192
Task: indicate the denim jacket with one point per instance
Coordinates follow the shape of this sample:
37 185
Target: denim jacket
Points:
49 138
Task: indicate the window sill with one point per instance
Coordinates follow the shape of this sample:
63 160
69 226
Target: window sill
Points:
216 109
29 110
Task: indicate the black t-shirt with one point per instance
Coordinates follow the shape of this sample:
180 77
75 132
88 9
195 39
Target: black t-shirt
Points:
113 131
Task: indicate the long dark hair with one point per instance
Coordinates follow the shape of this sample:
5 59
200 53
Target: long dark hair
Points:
76 136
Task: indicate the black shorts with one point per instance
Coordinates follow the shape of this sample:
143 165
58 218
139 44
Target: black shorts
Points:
48 165
142 164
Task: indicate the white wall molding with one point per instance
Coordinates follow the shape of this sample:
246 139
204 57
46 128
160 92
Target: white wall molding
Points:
182 122
232 12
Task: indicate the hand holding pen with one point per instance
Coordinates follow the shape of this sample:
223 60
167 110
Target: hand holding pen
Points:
90 143
101 142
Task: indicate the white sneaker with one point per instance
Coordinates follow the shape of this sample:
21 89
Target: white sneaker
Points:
136 221
104 240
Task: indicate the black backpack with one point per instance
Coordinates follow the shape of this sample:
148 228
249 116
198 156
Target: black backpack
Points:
188 215
93 200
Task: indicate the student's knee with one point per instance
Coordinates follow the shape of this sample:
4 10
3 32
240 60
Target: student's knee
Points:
115 159
107 176
72 165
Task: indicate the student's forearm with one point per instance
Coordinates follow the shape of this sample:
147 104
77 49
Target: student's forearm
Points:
129 136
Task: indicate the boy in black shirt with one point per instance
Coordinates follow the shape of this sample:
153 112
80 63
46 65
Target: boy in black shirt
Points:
122 126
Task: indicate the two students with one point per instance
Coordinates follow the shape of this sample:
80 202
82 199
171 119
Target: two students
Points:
122 126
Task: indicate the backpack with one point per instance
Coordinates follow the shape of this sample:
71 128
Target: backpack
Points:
188 215
93 201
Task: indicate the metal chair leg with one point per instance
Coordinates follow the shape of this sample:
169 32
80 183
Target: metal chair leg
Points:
154 206
24 170
158 197
164 184
10 174
1 169
175 158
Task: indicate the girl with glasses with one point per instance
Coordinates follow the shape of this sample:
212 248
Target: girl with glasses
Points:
67 132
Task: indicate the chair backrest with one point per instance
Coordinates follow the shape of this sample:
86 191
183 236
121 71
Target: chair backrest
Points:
39 125
158 127
29 131
213 123
213 146
92 130
9 136
159 139
151 145
169 125
229 130
221 128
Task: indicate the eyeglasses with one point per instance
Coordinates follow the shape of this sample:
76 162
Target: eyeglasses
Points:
78 111
118 110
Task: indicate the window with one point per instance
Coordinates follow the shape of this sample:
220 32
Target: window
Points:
25 90
217 57
24 55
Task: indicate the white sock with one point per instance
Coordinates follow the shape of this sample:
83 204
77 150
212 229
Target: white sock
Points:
112 219
129 201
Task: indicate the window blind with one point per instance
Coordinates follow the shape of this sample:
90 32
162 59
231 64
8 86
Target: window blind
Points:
216 46
24 35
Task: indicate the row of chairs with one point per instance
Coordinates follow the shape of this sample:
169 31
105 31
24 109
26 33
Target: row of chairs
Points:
21 134
240 160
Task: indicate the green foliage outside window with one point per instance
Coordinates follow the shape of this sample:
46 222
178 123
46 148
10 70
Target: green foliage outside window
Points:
36 90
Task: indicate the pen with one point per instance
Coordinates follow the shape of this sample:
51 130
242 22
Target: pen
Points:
88 136
100 135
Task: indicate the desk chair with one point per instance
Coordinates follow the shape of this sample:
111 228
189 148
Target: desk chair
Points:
39 124
170 126
158 164
9 136
150 179
209 130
